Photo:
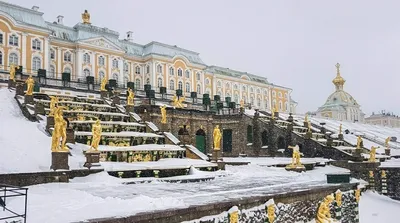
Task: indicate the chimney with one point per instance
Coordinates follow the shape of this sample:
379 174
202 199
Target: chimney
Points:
35 8
129 36
60 19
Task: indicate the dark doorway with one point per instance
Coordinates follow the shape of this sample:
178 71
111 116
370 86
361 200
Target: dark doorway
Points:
201 140
281 143
264 138
227 140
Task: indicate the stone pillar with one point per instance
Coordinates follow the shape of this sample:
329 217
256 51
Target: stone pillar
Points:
49 122
256 134
59 58
46 46
28 99
116 100
59 160
357 152
387 152
104 94
341 137
276 115
216 156
92 157
70 135
19 89
129 108
78 63
11 83
329 142
39 109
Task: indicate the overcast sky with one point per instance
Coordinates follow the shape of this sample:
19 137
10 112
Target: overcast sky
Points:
294 43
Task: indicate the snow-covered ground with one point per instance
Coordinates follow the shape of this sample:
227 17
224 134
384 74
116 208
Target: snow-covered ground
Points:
376 208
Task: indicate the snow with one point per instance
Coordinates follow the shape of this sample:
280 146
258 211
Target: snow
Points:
251 112
96 113
152 126
171 137
135 116
391 163
271 161
197 152
146 147
108 123
377 208
121 134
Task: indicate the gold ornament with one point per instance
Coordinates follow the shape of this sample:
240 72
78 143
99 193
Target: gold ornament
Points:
103 84
217 138
96 132
86 17
359 141
357 195
234 217
271 213
53 105
323 214
131 97
59 132
338 196
372 154
12 71
178 102
29 82
296 156
163 114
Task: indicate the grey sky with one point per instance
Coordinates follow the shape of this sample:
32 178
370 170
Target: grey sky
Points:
294 43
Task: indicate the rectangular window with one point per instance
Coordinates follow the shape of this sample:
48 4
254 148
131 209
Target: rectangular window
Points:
1 38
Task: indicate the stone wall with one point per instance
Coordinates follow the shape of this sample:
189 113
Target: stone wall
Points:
291 207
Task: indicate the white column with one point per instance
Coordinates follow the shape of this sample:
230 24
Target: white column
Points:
93 61
23 56
46 46
121 71
270 98
110 75
214 86
153 74
78 63
166 75
59 59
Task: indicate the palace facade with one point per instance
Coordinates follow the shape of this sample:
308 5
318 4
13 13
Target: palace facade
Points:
26 39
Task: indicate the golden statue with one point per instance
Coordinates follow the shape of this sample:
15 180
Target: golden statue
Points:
372 154
59 132
359 141
217 138
242 103
163 114
306 118
178 102
131 96
271 213
383 174
323 214
340 129
357 195
387 140
13 68
273 113
309 126
103 84
338 198
29 83
234 217
96 133
53 105
86 17
295 156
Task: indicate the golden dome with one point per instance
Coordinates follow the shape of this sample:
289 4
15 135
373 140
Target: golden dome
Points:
338 81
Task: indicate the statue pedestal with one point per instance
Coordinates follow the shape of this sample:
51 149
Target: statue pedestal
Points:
70 135
104 94
357 152
129 108
11 83
308 135
59 160
216 156
19 89
241 110
387 152
276 114
39 109
295 168
28 99
329 142
164 127
305 124
116 100
49 122
92 157
341 137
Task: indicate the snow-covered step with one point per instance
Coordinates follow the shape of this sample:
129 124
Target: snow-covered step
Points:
135 116
152 126
172 138
197 152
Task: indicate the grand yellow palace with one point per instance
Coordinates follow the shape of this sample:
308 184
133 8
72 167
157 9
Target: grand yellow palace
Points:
26 39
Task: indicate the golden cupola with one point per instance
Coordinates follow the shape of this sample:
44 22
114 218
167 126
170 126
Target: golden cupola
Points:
338 81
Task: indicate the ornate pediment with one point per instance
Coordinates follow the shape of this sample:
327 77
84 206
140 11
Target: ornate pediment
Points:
102 43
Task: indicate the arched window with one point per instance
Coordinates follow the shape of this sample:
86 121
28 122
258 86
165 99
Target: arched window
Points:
258 102
198 89
148 81
115 64
86 72
280 105
180 72
244 88
235 87
251 100
159 68
280 94
198 76
251 90
147 69
219 83
171 85
286 106
67 57
13 59
273 104
171 71
36 44
1 58
187 74
13 41
273 94
227 86
258 91
126 67
101 61
180 85
36 63
52 71
67 70
126 79
236 98
101 75
52 54
137 83
115 76
159 82
187 87
285 95
86 58
266 104
207 81
137 70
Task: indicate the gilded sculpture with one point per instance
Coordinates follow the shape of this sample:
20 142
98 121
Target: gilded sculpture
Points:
217 138
59 132
323 214
338 198
372 154
359 142
29 83
53 105
387 140
242 103
309 126
131 97
340 129
103 84
163 114
86 17
13 69
271 213
234 217
383 174
357 195
178 102
96 133
306 118
295 156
